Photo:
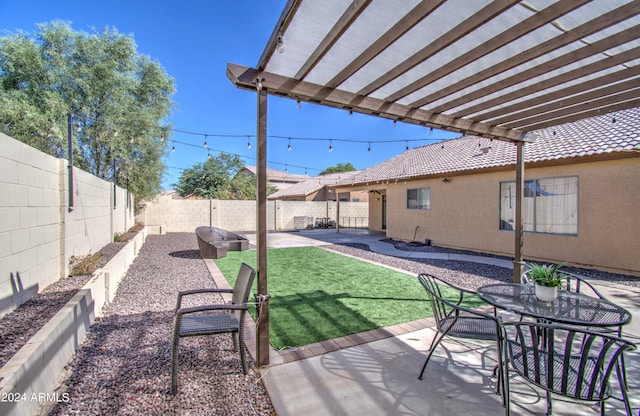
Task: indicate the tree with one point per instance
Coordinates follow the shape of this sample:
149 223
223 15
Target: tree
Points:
218 178
340 167
118 97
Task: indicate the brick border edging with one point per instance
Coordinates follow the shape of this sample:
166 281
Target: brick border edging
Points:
277 357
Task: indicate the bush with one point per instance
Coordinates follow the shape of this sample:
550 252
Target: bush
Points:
83 265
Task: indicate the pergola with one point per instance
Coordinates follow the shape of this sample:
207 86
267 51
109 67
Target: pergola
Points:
499 69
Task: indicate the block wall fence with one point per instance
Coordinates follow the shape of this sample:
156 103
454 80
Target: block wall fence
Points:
39 230
184 215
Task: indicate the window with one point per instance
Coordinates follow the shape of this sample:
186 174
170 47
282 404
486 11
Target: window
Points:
549 206
419 198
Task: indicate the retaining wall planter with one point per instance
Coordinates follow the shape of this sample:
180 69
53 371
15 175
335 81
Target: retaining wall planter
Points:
28 379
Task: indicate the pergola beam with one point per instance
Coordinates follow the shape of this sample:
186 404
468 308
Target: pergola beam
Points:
245 77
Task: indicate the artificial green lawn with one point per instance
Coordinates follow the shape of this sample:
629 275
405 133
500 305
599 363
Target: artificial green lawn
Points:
319 295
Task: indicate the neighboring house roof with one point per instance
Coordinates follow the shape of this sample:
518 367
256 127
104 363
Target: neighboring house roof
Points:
313 184
276 175
615 132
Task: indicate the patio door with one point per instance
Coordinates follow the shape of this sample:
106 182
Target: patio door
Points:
384 211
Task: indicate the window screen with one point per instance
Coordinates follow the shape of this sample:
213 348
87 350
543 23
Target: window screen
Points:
419 198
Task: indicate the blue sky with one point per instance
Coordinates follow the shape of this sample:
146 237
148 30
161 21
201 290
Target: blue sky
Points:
194 41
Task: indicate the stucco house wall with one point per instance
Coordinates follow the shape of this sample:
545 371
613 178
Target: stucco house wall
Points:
465 214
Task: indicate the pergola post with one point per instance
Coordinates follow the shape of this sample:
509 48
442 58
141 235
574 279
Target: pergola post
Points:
262 326
518 263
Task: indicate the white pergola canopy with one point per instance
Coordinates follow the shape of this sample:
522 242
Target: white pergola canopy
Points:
496 68
499 69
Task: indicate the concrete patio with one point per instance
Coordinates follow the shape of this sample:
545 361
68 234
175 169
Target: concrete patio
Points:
376 372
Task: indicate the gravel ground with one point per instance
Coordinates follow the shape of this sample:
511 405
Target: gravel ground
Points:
124 365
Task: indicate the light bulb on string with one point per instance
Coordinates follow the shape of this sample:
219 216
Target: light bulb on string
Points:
369 148
205 145
298 103
248 142
289 145
280 47
407 146
330 146
173 148
78 127
258 84
115 133
130 139
208 155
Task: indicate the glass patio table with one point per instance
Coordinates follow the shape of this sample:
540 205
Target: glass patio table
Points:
568 308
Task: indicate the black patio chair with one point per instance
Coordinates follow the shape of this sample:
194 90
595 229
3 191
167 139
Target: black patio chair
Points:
578 284
455 320
565 360
213 319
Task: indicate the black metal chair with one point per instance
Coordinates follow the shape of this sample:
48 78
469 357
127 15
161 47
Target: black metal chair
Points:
455 320
213 319
578 284
565 360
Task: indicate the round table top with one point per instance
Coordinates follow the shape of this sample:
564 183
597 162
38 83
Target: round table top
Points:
569 307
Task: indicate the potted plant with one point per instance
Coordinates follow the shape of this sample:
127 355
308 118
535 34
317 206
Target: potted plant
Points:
547 279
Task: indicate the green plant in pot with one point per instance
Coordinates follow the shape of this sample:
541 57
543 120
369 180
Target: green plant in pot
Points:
547 279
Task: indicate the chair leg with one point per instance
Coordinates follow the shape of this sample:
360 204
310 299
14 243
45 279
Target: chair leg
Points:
243 358
434 344
174 362
234 337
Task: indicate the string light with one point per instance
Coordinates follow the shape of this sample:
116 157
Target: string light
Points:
350 113
173 147
289 146
330 145
369 149
298 103
259 83
406 148
280 47
205 142
78 127
248 142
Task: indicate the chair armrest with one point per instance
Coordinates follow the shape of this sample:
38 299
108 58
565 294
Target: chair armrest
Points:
461 290
204 308
199 291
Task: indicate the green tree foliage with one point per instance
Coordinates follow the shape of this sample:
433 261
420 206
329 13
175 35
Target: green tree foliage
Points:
218 178
119 99
340 167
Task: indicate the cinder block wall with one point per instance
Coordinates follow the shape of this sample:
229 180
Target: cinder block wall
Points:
38 231
180 215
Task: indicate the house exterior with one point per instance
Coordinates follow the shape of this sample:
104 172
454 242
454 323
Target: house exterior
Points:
320 188
581 204
280 180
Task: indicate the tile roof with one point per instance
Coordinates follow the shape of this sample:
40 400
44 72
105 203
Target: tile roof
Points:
313 184
276 175
615 132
